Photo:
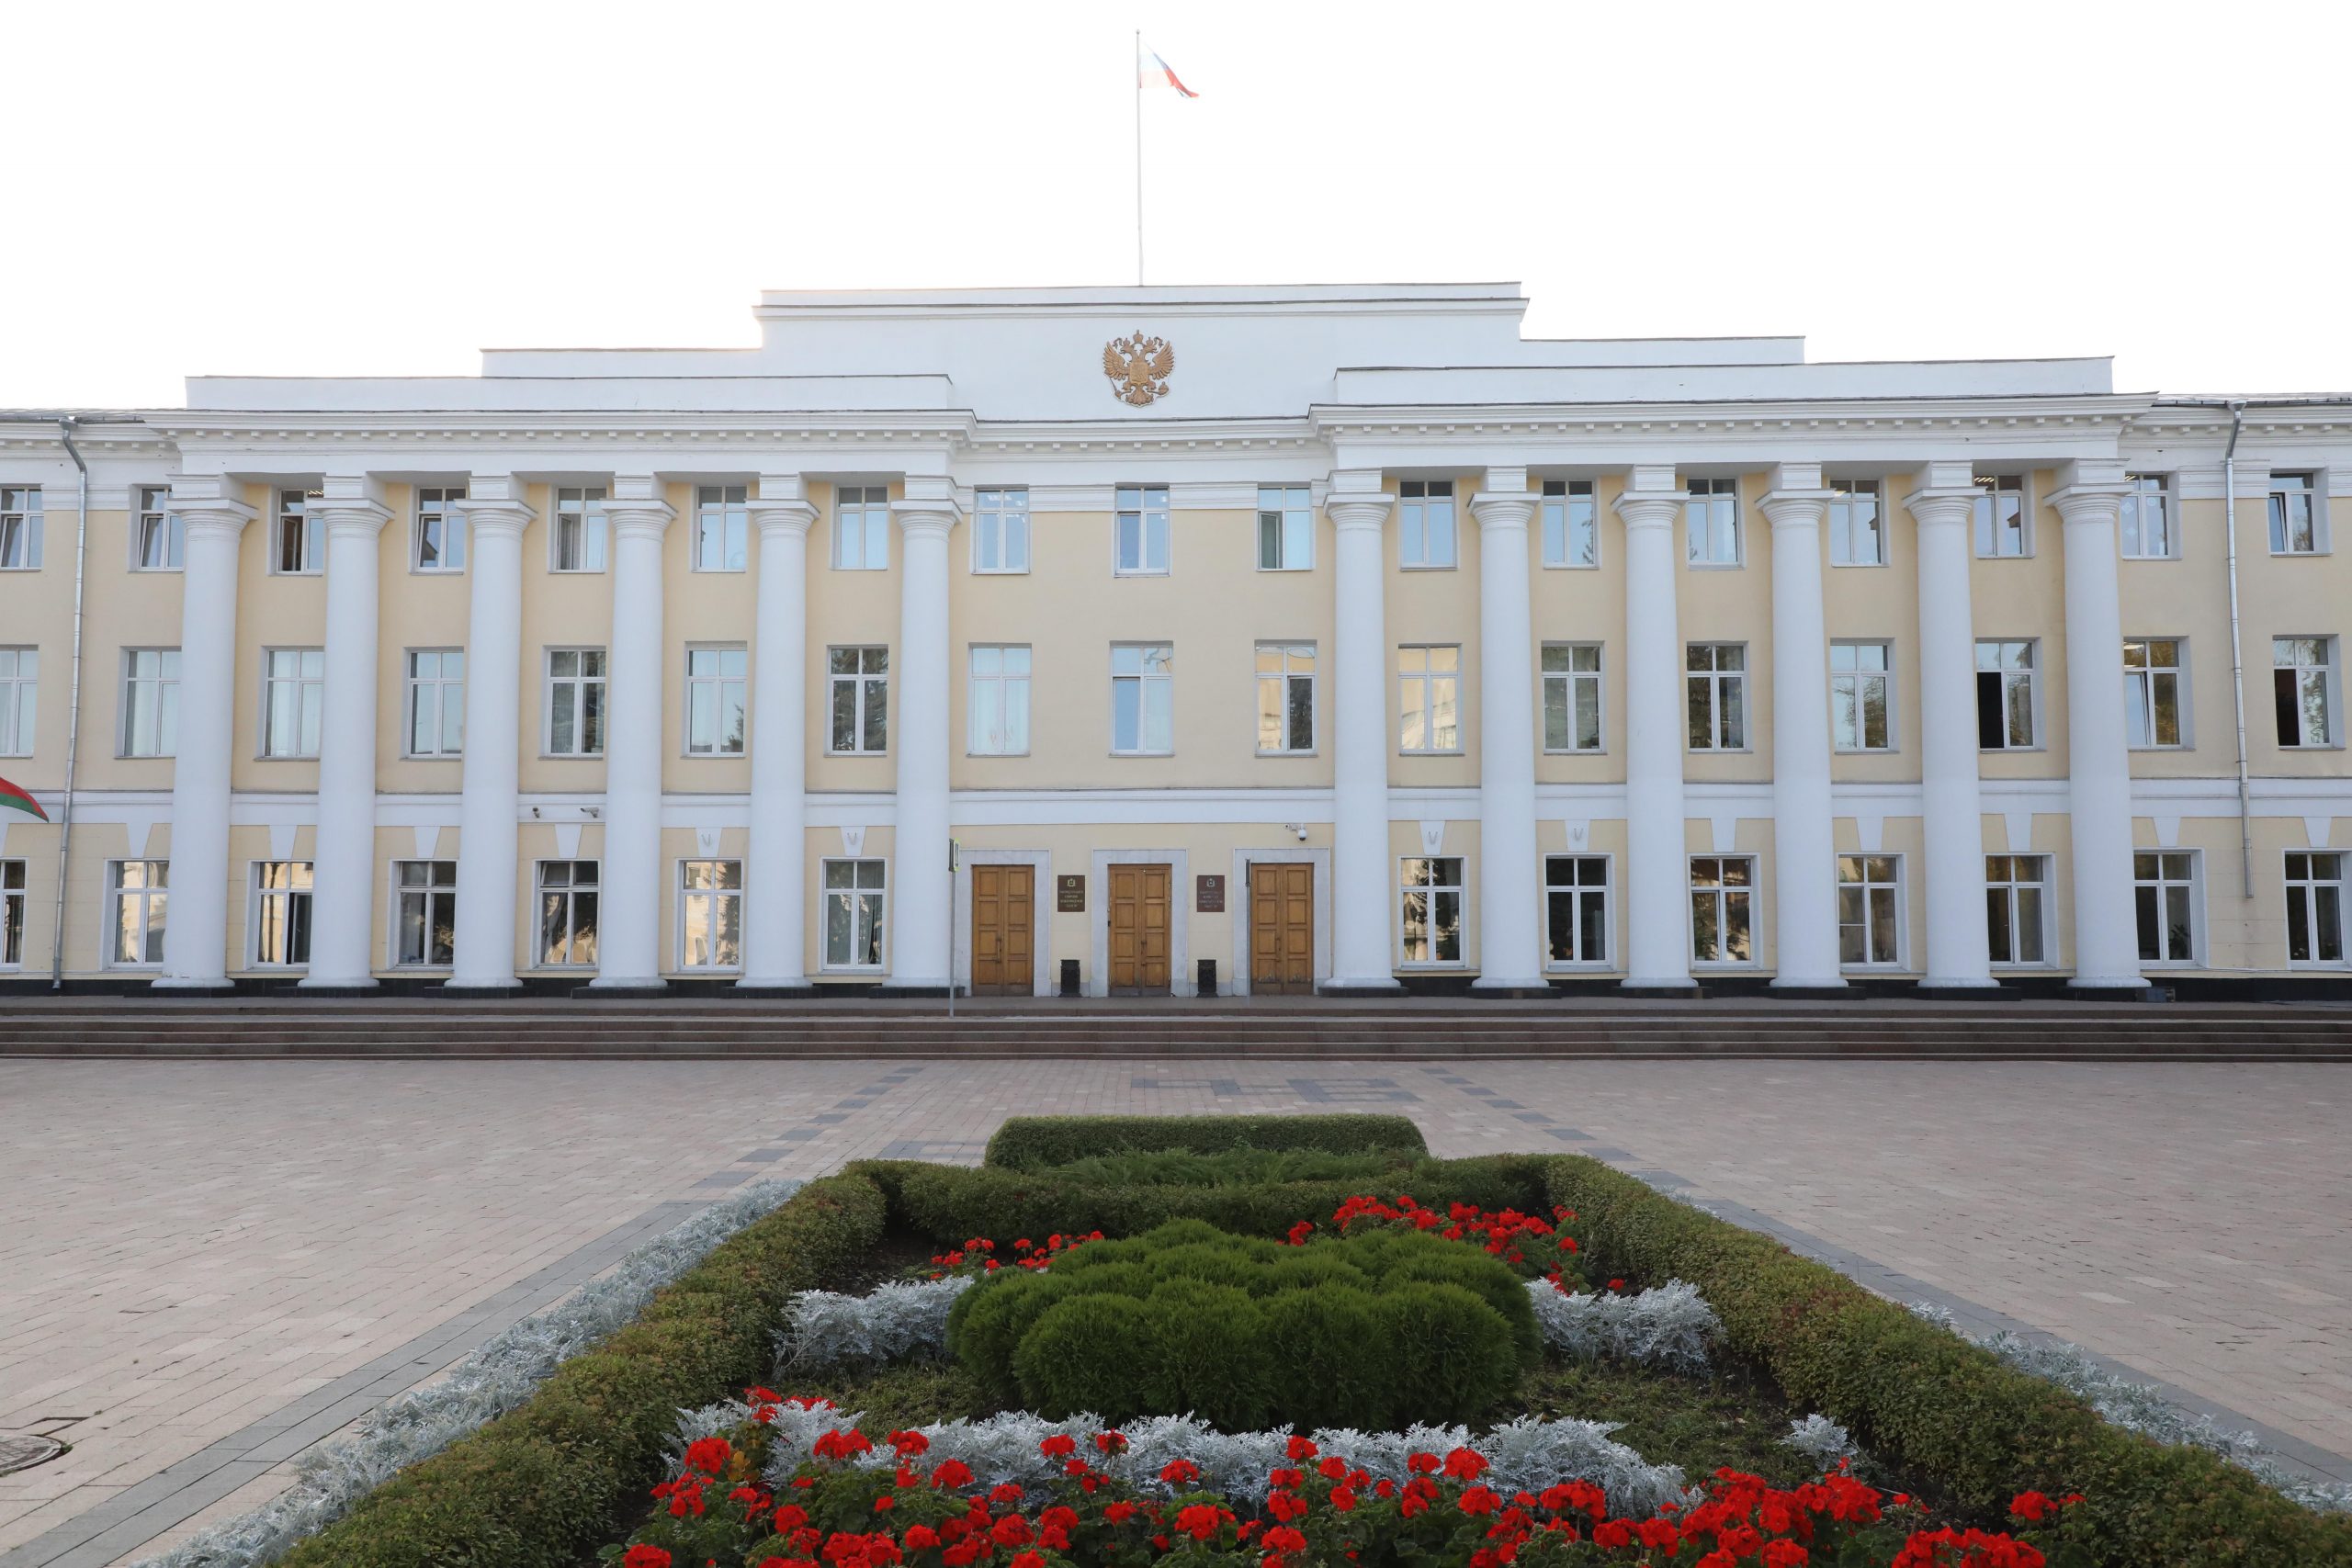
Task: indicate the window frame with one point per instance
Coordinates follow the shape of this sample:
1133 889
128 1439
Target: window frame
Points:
717 897
571 889
2313 489
1577 892
718 680
153 502
2131 519
1884 675
1985 519
430 894
259 895
861 708
2005 675
1569 681
1710 491
997 504
1558 513
1427 678
19 700
549 685
1285 679
1432 887
1414 515
2046 912
433 505
2193 885
439 683
1893 886
289 507
880 928
1006 680
15 912
871 506
2312 882
147 895
2139 686
23 520
165 715
730 507
1717 679
1145 679
309 696
1839 517
2331 691
585 505
1144 513
1284 513
1723 894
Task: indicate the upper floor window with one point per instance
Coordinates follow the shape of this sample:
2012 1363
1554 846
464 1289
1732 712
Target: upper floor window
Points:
151 701
1285 696
1428 688
436 701
1716 674
1861 696
158 538
138 897
1571 696
1711 522
862 528
1001 530
293 692
1142 545
2152 691
860 679
298 545
576 543
1425 523
714 706
1285 529
575 702
2146 520
2295 516
1857 524
722 527
19 692
2000 516
2007 699
1000 704
21 528
281 913
1571 524
440 531
1143 699
2302 683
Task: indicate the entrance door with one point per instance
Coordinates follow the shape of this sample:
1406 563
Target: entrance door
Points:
1138 930
1281 929
1003 925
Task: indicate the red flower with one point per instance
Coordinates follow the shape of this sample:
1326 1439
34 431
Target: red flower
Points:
952 1472
1301 1448
1059 1446
1198 1520
2032 1506
1111 1442
1342 1499
1616 1285
1423 1464
1611 1534
1180 1472
921 1537
1007 1495
645 1557
708 1455
910 1444
885 1503
1785 1554
1286 1505
1465 1464
1120 1512
1029 1559
1010 1531
1478 1500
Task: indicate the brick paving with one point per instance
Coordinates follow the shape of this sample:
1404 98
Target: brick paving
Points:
188 1250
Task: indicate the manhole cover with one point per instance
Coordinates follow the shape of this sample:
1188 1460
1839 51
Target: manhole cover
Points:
22 1450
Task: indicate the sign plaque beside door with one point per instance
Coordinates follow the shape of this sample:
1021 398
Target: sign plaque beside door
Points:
1070 894
1209 895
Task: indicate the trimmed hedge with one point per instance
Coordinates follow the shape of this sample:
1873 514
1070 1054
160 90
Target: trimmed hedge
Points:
1938 1407
1034 1143
542 1486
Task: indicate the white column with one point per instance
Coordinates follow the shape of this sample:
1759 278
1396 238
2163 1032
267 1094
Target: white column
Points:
343 857
920 888
2098 762
1804 849
1511 911
195 936
1363 877
1657 877
496 516
1953 812
629 940
775 886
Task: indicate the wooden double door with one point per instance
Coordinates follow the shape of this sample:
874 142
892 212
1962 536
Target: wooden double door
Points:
1281 929
1004 929
1140 911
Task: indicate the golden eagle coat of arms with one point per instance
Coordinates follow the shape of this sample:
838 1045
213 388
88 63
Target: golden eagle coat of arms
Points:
1138 367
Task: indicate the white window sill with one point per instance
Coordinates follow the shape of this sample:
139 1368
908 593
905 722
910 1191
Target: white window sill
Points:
1277 756
1435 966
1000 571
1715 565
1866 751
1292 570
572 756
1139 571
1578 966
1576 751
2147 558
1861 565
2010 750
1427 566
996 753
2285 555
712 756
1571 565
1457 752
1723 965
575 571
2185 746
854 971
433 756
150 570
1721 750
1143 754
437 571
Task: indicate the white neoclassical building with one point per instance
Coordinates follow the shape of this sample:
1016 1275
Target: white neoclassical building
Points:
1148 639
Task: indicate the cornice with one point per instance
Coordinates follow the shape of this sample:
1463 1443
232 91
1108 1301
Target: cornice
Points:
1908 417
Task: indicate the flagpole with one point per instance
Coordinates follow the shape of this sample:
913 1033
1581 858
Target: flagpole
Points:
1138 77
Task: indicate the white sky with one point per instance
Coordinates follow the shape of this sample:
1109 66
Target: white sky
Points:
385 188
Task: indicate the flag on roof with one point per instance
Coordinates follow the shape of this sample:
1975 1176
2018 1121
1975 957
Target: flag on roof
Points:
1153 72
13 798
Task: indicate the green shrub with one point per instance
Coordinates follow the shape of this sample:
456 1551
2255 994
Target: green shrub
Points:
1033 1143
1234 1167
1464 1355
1938 1407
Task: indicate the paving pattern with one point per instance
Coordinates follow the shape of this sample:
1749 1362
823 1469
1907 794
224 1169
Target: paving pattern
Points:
207 1266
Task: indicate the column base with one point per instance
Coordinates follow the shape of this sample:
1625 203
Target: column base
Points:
1508 988
209 984
1373 986
1809 990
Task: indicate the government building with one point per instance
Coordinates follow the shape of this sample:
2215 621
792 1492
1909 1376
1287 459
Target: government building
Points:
1170 640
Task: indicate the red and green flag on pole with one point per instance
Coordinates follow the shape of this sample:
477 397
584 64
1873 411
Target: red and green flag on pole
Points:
14 799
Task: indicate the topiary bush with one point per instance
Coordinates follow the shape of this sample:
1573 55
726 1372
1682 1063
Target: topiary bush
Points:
1035 1143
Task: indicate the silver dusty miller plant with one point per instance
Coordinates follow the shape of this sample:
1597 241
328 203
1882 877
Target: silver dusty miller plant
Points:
822 1328
1669 1327
493 1380
1821 1439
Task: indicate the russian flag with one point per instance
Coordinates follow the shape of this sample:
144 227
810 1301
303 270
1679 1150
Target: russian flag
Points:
1153 72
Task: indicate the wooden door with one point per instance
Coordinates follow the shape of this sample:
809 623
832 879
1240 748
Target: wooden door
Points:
1139 916
1281 929
1003 927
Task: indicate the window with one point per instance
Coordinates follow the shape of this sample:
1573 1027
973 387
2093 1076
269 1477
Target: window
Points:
1870 900
715 702
20 691
2017 894
853 914
158 538
2294 514
1576 908
1285 529
436 701
440 532
710 914
1285 696
861 528
1425 523
722 527
1001 530
12 913
151 701
1717 678
1723 889
1429 684
1142 698
1430 923
567 914
1861 696
2152 691
136 891
2006 698
424 913
2302 680
298 540
1711 522
861 682
2001 517
2315 908
576 543
293 688
281 913
2165 886
1857 525
1143 529
1571 524
20 520
1000 707
2147 519
575 702
1572 696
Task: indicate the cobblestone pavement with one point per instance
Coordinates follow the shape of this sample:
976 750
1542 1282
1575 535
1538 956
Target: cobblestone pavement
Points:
237 1258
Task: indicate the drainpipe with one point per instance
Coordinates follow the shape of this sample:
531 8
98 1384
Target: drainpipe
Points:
73 709
2237 651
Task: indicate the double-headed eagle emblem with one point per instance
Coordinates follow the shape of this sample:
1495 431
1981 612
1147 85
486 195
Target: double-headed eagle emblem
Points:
1138 367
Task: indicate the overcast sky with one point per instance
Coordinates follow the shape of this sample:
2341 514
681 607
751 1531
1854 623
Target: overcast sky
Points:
386 189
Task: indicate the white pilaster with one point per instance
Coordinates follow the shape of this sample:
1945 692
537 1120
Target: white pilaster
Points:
343 861
628 944
1658 876
920 886
776 889
2107 942
214 514
1510 911
1952 807
496 514
1805 870
1363 881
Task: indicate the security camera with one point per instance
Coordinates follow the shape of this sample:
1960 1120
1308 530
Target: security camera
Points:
1299 829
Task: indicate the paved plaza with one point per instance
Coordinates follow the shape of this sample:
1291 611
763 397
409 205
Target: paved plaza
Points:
207 1266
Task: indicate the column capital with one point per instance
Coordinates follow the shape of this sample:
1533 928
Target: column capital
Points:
2090 491
636 508
1794 508
352 519
1646 504
210 503
927 506
494 506
1359 507
1506 502
1946 495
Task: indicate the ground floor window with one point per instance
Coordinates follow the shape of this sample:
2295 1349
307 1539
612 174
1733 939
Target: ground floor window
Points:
710 914
12 913
1576 908
281 913
2165 888
2315 908
1870 900
567 914
135 900
854 895
2016 908
1722 892
1431 916
425 915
